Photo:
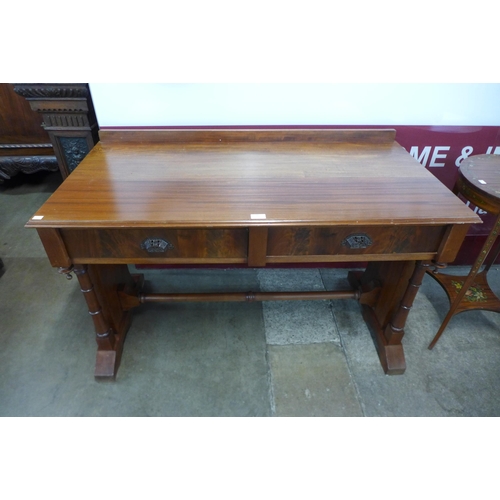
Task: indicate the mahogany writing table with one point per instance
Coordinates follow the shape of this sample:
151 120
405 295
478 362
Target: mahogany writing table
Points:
252 197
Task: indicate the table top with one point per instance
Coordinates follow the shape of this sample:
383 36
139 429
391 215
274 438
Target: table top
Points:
221 178
483 173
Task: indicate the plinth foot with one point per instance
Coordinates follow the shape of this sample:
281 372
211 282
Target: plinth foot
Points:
392 357
106 365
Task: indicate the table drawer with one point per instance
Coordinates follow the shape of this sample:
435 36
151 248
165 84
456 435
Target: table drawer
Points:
138 245
353 240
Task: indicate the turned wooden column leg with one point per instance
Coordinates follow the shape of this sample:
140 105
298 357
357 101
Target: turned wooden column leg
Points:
394 331
387 290
100 285
107 356
483 254
104 333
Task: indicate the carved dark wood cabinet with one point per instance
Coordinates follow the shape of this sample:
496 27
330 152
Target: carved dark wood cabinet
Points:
24 145
68 117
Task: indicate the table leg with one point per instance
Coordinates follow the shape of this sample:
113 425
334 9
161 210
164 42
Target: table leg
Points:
99 285
388 290
481 259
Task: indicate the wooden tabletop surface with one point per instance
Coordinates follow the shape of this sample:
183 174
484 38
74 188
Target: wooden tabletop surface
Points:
483 172
225 178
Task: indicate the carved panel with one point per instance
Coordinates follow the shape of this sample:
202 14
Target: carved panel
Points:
25 146
68 116
74 149
65 120
12 165
42 90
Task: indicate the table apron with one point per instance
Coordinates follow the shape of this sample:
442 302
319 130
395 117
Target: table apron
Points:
303 244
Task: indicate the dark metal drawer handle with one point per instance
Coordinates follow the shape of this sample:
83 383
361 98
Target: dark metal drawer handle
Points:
359 240
156 245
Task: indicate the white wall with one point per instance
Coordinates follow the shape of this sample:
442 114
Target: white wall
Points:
296 104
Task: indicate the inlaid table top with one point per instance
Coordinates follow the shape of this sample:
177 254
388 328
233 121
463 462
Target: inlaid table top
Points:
479 178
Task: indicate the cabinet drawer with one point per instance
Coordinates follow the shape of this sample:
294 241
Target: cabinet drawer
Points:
141 245
353 240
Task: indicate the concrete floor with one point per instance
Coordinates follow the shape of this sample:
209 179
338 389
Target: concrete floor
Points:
227 359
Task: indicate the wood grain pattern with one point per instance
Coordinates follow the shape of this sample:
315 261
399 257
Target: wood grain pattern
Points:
257 246
222 184
478 181
331 240
247 136
320 196
195 244
18 123
54 247
254 246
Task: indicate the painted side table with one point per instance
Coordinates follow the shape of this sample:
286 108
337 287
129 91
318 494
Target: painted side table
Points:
479 182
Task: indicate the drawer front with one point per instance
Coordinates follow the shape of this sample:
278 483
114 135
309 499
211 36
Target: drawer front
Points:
145 244
353 240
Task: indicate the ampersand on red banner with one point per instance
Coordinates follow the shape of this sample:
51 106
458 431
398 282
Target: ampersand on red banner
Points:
466 152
